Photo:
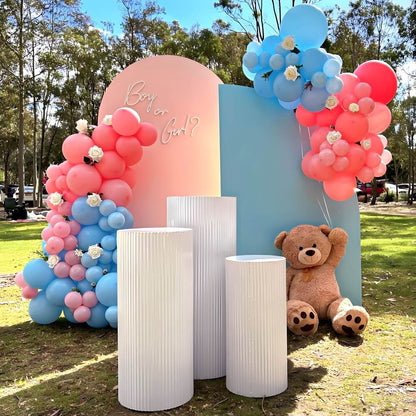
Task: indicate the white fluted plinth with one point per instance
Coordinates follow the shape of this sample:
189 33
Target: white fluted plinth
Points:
155 318
213 221
256 325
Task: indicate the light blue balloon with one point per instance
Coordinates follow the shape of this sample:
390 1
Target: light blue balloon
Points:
312 61
269 44
253 46
111 314
43 248
83 213
314 99
334 85
88 261
250 60
264 60
61 254
97 319
94 274
109 242
287 90
290 106
42 311
319 79
115 256
247 73
103 224
106 257
116 220
84 286
128 217
106 207
58 289
38 274
292 59
307 24
276 62
69 315
106 289
281 51
332 67
89 235
263 85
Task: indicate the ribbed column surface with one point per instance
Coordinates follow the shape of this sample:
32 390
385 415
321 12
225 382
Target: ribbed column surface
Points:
256 325
155 319
213 221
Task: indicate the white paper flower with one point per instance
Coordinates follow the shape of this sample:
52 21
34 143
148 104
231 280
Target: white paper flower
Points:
366 144
82 126
53 260
55 198
94 200
78 252
108 119
95 153
288 43
331 102
95 251
354 107
291 73
333 136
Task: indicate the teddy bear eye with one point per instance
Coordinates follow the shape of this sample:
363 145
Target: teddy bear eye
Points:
300 248
314 245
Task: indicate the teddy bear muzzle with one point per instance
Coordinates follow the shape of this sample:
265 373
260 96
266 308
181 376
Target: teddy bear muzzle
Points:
309 256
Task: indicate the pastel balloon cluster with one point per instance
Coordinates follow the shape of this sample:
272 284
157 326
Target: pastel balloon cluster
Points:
347 143
292 67
87 197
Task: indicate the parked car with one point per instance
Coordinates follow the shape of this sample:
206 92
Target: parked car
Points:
402 188
368 187
28 195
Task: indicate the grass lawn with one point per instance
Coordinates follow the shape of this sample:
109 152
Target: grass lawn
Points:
65 369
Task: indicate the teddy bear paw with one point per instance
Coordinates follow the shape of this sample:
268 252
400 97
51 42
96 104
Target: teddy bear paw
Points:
304 322
351 322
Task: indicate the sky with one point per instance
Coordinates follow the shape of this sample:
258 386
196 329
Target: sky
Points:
186 12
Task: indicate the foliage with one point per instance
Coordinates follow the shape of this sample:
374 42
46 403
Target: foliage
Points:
388 196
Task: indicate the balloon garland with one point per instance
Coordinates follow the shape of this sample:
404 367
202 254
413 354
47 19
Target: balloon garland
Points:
87 198
348 111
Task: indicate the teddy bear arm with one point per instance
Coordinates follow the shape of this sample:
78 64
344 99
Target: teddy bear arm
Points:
290 274
339 239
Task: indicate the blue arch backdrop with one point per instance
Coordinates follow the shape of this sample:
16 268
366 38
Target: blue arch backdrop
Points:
261 153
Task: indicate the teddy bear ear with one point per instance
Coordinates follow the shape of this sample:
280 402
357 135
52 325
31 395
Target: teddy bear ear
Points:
278 242
325 229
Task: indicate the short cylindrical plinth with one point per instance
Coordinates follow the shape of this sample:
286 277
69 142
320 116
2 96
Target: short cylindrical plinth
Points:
155 318
256 325
213 221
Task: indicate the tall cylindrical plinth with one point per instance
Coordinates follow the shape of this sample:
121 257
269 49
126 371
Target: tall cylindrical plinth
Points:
213 221
155 318
256 325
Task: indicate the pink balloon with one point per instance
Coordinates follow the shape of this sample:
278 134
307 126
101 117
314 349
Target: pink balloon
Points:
147 134
318 137
340 187
65 208
379 119
69 196
325 145
380 170
362 89
373 159
352 126
365 174
305 117
77 272
71 258
50 186
348 100
89 299
327 157
55 219
61 229
62 269
366 105
383 140
111 165
70 242
130 149
73 300
350 81
65 166
306 169
76 147
47 233
50 214
356 157
380 77
328 117
125 121
83 178
372 143
29 292
341 163
60 183
386 156
53 172
75 227
319 171
54 245
82 314
130 177
341 147
116 190
105 137
18 279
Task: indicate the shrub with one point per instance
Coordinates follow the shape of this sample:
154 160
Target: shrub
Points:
388 196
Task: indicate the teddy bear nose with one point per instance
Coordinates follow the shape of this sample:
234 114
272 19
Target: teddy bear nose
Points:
310 252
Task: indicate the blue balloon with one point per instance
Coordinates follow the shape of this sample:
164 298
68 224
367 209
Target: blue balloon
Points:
89 235
292 59
287 90
106 207
109 242
42 311
263 84
106 289
106 257
334 85
128 216
69 315
253 46
88 261
97 319
83 213
116 220
247 73
318 80
312 61
264 60
276 62
58 289
84 286
43 248
307 24
269 44
115 256
281 51
250 60
314 99
38 274
332 67
111 314
290 106
103 224
94 274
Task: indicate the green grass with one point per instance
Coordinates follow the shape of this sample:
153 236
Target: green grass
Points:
65 369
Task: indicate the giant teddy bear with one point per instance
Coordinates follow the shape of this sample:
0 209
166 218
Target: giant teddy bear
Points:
312 290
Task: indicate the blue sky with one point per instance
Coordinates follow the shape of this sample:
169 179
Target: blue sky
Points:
187 12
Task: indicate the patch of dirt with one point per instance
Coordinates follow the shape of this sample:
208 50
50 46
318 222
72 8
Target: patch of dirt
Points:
391 208
6 280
